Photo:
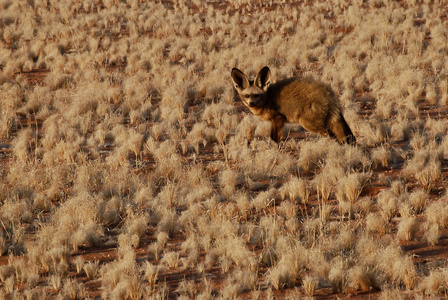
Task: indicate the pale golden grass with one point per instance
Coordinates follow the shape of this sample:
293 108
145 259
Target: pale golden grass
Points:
296 189
407 228
434 285
309 285
132 140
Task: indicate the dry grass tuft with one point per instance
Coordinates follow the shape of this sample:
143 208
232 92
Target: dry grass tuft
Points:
407 228
364 278
296 190
309 285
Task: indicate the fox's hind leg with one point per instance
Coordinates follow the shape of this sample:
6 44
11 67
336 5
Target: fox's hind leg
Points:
315 125
339 128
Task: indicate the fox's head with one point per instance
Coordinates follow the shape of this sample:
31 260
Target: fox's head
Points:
252 92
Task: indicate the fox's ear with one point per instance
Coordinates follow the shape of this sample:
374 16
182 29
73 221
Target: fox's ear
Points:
240 81
263 79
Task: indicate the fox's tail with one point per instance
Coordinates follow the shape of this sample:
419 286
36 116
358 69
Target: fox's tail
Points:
340 129
349 137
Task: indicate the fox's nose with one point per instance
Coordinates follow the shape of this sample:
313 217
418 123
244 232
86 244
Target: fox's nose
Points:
251 104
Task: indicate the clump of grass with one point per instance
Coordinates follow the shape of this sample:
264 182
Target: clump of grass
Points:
348 190
151 272
364 277
381 155
405 272
375 223
244 205
436 219
288 209
310 283
32 278
418 200
197 136
121 278
296 189
425 165
350 187
224 264
312 229
388 203
264 199
407 228
135 226
187 289
55 281
91 269
313 153
246 128
9 285
280 276
433 234
377 131
73 289
79 263
240 255
436 213
245 280
418 141
345 240
168 222
363 206
22 144
5 272
398 187
392 293
229 180
337 275
434 284
324 186
171 259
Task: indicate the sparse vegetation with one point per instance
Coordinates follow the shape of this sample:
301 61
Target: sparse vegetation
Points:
128 169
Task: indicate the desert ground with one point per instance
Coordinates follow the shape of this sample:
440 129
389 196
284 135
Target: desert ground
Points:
130 170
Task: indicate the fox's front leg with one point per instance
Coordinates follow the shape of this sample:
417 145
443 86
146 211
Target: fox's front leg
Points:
277 123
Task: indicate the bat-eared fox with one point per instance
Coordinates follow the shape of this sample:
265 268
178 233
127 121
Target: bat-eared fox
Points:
310 103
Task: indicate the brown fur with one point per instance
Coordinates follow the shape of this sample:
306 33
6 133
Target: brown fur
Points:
310 103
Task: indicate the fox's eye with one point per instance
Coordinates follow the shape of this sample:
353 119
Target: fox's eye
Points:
247 96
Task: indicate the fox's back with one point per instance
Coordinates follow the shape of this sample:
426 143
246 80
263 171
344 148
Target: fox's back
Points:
298 97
